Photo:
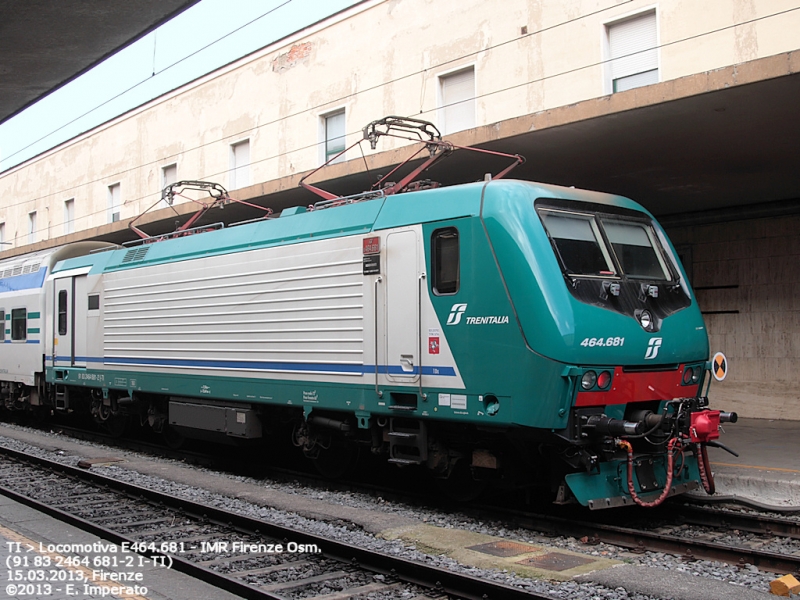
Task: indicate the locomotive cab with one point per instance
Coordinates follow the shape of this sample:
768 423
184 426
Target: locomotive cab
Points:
598 288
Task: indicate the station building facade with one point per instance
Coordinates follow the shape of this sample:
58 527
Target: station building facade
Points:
471 68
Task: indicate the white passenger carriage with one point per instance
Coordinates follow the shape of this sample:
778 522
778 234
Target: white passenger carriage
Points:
22 313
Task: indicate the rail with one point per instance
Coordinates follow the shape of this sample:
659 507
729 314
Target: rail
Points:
182 513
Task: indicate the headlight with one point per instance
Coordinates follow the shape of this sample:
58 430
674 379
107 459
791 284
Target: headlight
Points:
588 380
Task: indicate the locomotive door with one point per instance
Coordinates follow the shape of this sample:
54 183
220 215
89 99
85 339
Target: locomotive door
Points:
402 306
69 341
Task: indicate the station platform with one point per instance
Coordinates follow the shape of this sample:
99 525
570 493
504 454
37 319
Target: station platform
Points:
45 559
767 470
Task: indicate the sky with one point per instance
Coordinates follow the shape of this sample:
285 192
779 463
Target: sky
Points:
207 36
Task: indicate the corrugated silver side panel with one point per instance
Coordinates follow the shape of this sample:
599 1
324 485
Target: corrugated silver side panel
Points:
277 309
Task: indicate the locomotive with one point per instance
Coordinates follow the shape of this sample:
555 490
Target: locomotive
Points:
510 330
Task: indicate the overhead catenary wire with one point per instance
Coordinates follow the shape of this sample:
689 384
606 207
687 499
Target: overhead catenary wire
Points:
66 191
147 79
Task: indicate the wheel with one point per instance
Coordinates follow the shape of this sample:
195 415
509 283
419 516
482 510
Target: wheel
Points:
460 486
116 425
172 438
336 460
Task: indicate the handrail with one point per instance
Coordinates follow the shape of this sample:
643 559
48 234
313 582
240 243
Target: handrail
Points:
377 390
420 281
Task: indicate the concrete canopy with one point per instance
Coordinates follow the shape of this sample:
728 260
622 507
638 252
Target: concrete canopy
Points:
46 44
706 142
715 145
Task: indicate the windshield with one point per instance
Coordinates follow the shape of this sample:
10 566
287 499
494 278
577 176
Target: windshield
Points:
628 247
635 249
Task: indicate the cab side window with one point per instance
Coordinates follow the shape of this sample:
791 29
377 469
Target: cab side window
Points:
62 312
445 260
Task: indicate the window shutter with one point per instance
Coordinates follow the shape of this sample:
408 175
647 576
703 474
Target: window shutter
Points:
634 55
114 202
240 173
458 101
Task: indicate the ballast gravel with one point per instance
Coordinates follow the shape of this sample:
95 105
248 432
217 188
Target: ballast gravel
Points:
747 578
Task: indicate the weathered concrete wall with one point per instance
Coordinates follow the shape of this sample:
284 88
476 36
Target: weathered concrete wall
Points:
746 277
384 57
381 57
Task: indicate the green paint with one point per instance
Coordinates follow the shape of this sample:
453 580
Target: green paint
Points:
518 339
260 391
612 480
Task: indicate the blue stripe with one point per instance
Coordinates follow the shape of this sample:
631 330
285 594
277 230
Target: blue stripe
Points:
68 359
260 366
20 341
23 282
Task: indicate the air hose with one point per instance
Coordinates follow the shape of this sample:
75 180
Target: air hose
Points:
670 466
706 476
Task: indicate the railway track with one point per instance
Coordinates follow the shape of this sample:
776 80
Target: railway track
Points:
769 542
682 529
190 537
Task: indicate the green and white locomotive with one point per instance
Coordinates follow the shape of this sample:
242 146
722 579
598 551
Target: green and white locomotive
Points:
520 330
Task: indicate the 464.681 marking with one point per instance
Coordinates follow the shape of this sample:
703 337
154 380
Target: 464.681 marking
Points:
609 341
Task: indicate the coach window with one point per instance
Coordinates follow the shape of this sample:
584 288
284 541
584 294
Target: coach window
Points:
62 312
19 324
445 259
2 325
94 302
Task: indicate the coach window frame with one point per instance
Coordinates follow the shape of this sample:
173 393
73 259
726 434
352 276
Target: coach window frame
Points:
439 256
18 335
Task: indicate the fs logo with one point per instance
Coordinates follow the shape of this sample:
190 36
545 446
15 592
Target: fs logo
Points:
455 314
652 348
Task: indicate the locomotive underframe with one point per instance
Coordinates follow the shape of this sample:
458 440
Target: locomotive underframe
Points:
583 461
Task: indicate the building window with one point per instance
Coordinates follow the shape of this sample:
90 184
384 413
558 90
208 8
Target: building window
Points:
2 234
69 216
32 227
333 135
445 258
19 324
457 106
169 174
240 164
114 202
632 52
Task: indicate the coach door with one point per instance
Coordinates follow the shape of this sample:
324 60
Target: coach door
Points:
69 341
402 306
